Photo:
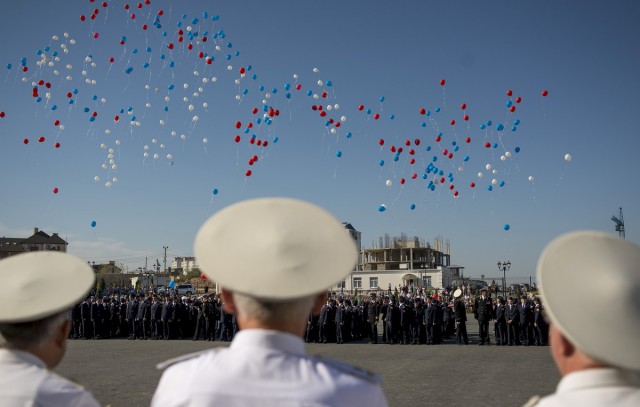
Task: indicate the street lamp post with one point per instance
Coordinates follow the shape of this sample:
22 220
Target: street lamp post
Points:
504 266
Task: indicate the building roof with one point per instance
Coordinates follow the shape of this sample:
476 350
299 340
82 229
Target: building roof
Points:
41 237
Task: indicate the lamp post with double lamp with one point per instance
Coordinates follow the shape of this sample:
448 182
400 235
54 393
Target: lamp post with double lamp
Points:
504 266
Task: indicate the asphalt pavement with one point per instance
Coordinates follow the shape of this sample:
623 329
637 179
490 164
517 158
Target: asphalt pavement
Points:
120 372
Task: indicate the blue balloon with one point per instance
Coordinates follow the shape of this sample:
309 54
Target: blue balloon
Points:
506 226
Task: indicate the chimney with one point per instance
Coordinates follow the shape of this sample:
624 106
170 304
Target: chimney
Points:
35 230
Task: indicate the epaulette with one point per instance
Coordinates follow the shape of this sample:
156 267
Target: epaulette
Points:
532 401
170 362
351 370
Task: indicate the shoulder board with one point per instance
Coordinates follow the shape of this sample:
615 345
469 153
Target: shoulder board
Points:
532 401
170 362
351 370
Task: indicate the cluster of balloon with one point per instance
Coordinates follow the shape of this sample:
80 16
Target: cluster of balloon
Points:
443 159
175 59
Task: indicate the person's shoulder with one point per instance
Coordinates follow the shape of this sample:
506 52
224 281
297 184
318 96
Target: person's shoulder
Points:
363 375
56 390
188 358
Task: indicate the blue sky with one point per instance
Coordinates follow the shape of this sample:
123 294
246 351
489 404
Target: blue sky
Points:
584 54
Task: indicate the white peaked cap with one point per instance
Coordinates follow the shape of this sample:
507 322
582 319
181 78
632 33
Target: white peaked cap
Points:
275 248
40 284
576 271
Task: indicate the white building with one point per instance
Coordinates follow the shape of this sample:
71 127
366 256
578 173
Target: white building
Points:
401 262
184 264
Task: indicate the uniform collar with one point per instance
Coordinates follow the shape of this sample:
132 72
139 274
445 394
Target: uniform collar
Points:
14 355
594 378
263 338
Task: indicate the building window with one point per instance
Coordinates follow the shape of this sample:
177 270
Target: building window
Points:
373 282
357 282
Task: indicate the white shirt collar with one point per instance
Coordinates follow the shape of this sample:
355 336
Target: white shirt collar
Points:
271 339
602 377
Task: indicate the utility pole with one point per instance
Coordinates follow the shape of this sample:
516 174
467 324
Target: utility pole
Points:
165 258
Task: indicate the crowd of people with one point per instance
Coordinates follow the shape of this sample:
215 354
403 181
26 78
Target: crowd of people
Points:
406 319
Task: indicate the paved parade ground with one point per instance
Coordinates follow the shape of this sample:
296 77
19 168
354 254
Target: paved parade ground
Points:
120 372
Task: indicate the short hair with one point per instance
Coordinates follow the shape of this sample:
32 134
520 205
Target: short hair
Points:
25 335
267 311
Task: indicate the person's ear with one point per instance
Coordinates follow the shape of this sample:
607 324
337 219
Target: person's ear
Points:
63 334
228 304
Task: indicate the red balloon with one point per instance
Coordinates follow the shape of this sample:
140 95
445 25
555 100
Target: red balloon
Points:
545 92
509 92
463 106
518 99
55 190
442 82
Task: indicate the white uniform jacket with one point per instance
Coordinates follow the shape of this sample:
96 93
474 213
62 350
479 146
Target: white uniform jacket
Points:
596 387
25 382
264 368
